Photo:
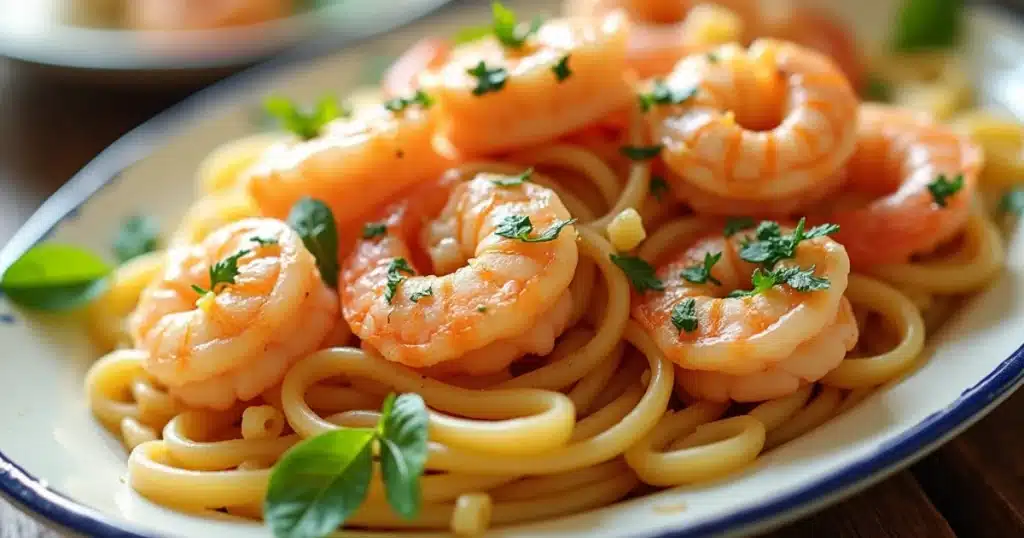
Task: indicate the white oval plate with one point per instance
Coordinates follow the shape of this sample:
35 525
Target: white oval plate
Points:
70 471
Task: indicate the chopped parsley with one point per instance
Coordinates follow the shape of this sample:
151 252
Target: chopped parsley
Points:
712 57
658 187
799 279
306 124
399 104
771 245
662 94
488 80
640 153
514 181
374 229
561 69
701 273
1013 202
877 89
943 188
263 241
139 234
396 268
762 281
734 225
928 24
507 28
639 272
419 294
222 273
684 315
481 309
519 227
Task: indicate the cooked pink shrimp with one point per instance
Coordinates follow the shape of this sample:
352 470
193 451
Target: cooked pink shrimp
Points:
490 299
202 14
810 361
402 77
239 339
665 32
764 124
492 98
343 166
899 154
706 203
741 335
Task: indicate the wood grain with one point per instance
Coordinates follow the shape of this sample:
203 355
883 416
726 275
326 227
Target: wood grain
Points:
49 130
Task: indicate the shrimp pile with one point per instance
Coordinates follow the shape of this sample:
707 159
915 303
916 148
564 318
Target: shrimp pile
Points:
555 225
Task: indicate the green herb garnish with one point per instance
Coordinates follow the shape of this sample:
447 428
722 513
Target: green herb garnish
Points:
662 94
684 315
305 124
315 224
519 227
55 277
877 89
374 229
561 69
507 28
138 235
734 225
222 273
514 181
771 245
639 272
928 24
396 268
658 187
943 188
712 57
263 241
321 481
701 273
398 104
488 80
640 153
1013 202
419 294
481 309
799 279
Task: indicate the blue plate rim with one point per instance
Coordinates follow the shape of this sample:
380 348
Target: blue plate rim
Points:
32 495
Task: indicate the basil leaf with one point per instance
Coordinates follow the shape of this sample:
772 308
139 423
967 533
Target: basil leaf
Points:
315 224
403 452
928 24
138 235
54 277
640 273
318 483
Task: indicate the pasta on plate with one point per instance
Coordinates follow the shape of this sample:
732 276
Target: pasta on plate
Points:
636 247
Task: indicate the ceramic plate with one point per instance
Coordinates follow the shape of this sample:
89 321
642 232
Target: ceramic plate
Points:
58 462
59 33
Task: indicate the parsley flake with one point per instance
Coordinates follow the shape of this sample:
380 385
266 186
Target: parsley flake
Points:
639 272
712 57
519 227
943 188
488 80
513 181
771 245
640 153
507 28
802 280
701 273
734 225
658 187
561 69
684 315
662 94
398 104
222 273
263 241
481 309
762 281
419 294
306 124
374 229
396 267
1013 202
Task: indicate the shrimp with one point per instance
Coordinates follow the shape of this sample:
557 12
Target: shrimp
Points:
523 101
712 204
665 32
402 77
764 124
203 14
746 335
810 361
343 166
491 298
899 154
213 350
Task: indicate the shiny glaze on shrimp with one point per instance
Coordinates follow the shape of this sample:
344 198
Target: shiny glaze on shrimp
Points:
492 299
886 212
765 123
214 350
742 335
533 106
809 362
343 165
202 14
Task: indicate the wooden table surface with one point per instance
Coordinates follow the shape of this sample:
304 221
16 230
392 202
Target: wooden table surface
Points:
972 487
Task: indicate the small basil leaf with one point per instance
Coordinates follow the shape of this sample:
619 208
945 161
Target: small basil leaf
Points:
315 224
403 452
138 235
53 276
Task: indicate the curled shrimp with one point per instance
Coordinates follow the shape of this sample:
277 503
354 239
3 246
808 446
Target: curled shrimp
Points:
524 101
746 335
203 14
887 212
342 166
236 341
402 77
809 362
765 123
491 298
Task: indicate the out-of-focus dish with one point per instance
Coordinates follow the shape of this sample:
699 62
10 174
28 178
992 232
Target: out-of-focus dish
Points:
549 381
154 35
